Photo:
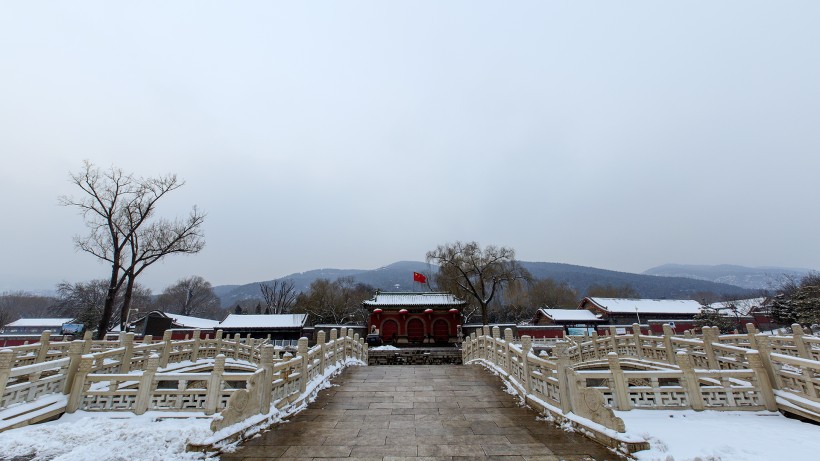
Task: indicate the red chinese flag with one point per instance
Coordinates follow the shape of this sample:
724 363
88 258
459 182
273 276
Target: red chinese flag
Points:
419 277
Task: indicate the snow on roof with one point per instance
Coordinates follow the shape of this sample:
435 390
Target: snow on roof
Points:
47 322
264 321
193 322
647 306
743 306
413 299
568 315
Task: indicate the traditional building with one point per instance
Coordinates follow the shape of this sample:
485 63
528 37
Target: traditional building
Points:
573 321
156 322
415 318
623 312
278 327
742 311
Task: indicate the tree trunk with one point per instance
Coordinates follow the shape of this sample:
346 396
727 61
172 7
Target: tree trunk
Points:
110 297
126 300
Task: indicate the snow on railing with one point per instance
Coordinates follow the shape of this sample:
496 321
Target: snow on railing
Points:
738 372
127 376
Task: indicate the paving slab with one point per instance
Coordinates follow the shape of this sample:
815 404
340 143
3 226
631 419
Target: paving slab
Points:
418 413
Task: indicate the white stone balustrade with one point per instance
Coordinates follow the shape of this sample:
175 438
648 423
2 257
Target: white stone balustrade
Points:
126 375
661 372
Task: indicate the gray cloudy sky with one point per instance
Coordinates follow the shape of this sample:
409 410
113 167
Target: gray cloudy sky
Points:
621 135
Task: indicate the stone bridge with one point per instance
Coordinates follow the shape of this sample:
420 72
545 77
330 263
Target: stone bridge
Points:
244 384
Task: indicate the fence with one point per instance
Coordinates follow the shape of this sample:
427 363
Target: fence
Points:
731 372
126 376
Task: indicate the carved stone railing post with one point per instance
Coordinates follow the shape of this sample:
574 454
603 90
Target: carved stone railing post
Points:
619 383
508 338
595 351
302 352
562 367
751 331
78 387
356 351
266 363
237 342
88 342
710 336
496 336
320 340
333 345
764 346
667 343
128 344
148 339
690 381
146 386
6 357
613 338
526 347
75 353
343 343
215 385
42 353
799 341
218 343
195 347
636 337
766 391
166 349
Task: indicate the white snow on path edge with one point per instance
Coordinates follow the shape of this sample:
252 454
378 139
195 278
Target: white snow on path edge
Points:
687 435
683 435
122 436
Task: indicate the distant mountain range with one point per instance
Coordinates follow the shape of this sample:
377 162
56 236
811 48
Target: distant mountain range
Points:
399 277
755 278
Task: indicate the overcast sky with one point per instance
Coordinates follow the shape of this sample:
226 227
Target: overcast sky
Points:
620 135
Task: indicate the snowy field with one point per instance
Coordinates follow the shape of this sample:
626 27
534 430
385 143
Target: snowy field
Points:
722 435
674 436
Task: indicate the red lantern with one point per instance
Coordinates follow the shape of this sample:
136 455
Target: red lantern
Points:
428 311
402 311
377 311
454 311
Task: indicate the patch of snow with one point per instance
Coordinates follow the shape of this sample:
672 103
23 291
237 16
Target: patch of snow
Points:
124 436
687 435
384 348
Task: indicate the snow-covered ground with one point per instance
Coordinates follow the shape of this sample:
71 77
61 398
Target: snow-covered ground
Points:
674 436
722 435
384 348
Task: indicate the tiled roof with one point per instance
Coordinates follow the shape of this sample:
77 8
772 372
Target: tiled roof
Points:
647 306
743 306
387 299
263 321
568 315
47 322
193 322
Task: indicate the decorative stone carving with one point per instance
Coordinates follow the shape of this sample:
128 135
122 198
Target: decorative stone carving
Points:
589 403
242 404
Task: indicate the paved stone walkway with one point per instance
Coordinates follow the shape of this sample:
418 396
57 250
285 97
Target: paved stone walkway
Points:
434 412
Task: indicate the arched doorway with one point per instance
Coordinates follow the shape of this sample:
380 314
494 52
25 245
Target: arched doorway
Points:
389 330
415 330
441 331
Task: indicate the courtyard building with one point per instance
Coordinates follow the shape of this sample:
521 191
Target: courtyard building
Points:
415 318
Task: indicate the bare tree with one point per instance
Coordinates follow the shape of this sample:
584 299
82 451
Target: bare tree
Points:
117 208
279 296
85 301
476 274
159 239
335 302
190 296
17 304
